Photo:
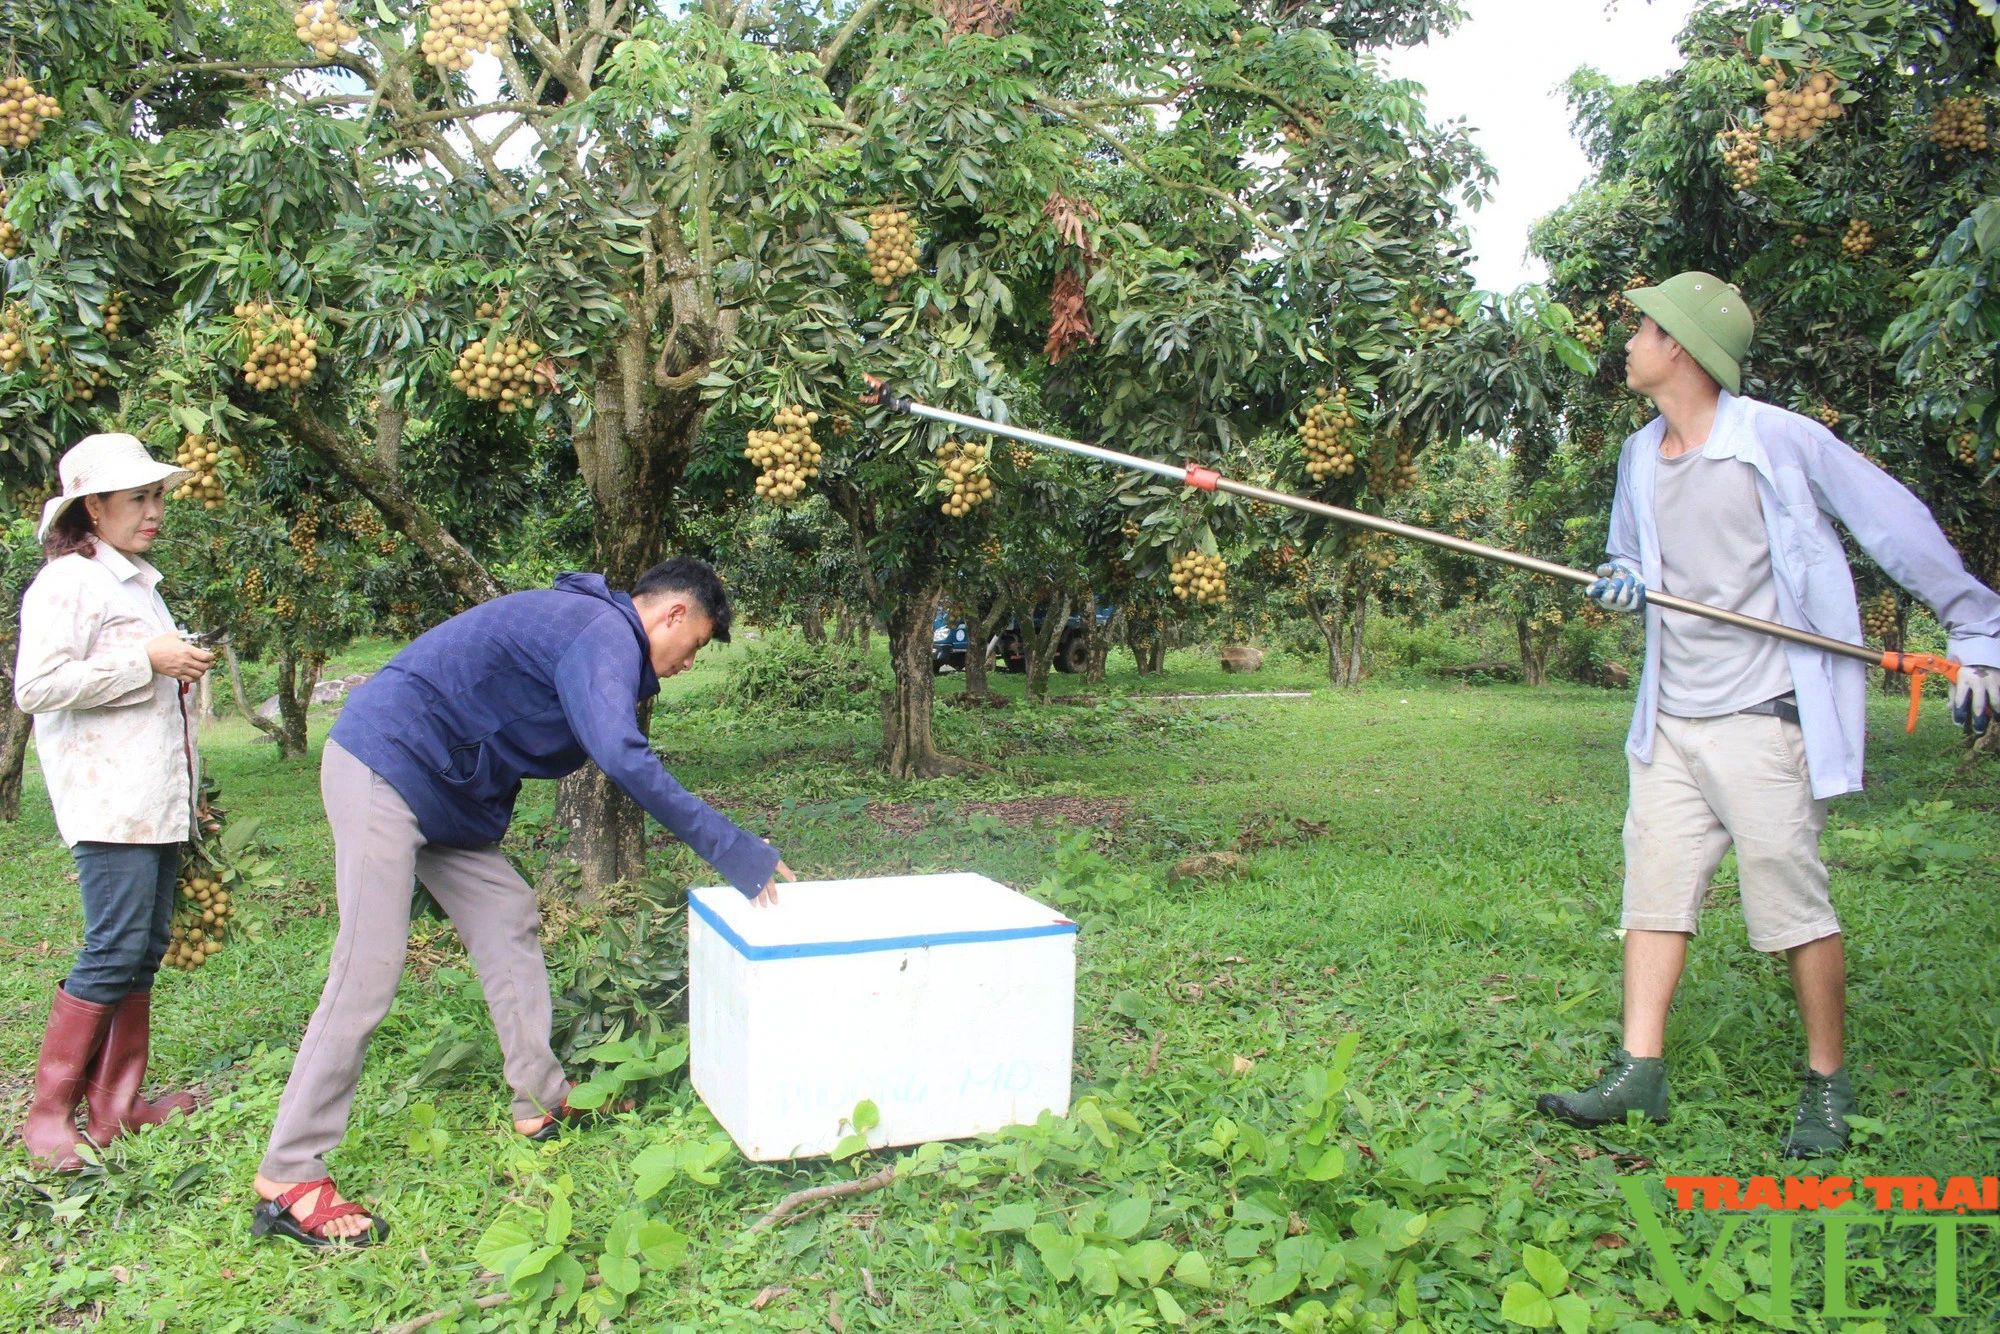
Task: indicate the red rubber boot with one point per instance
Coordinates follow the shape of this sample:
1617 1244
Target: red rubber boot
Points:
112 1087
69 1045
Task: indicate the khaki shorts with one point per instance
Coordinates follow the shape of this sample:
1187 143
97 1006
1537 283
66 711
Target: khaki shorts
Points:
1739 779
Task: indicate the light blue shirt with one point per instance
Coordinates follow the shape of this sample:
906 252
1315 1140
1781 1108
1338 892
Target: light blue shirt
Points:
1806 478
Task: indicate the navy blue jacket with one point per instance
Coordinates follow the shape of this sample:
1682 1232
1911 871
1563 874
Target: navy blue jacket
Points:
530 686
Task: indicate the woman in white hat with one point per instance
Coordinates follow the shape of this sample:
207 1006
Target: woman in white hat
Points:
105 670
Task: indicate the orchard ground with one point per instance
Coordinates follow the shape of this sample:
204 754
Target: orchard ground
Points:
1429 869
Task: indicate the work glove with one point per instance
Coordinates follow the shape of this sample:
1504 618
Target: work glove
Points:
1617 588
1975 697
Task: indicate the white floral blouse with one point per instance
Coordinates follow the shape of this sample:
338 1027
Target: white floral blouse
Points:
116 746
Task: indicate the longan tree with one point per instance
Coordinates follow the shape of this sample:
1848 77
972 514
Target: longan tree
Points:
652 228
1832 160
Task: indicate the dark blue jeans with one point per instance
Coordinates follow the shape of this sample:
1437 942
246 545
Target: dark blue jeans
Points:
128 915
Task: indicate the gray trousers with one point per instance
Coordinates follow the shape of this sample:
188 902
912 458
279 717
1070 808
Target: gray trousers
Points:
378 854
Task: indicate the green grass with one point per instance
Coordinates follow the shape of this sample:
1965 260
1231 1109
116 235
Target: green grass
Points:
1433 870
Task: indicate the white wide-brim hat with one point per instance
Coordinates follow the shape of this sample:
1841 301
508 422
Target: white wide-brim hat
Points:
112 461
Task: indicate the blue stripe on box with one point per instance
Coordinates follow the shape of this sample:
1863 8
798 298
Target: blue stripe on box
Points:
822 948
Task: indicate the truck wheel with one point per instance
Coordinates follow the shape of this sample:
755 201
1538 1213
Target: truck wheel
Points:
1073 654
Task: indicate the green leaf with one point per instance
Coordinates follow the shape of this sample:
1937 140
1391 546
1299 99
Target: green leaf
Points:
1170 1310
1058 1251
560 1217
1525 1304
866 1116
1328 1165
533 1263
1128 1217
1093 1120
848 1147
661 1245
505 1244
1193 1271
1097 1270
1549 1273
1145 1263
1010 1218
1572 1313
1275 1286
619 1271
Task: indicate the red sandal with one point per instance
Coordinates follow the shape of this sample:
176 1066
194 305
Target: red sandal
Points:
274 1216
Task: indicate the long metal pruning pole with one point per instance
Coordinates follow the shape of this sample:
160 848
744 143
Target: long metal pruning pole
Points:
1916 665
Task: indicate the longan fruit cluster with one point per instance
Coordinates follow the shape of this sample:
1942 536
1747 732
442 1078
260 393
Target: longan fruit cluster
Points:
281 354
10 235
80 385
1589 329
253 584
1742 153
1965 445
1858 240
1829 415
199 455
321 25
114 314
1798 112
362 522
202 923
1878 617
23 112
13 344
1960 124
462 29
787 458
1401 474
1323 435
284 608
891 247
304 535
1202 578
965 483
1430 319
498 370
1591 440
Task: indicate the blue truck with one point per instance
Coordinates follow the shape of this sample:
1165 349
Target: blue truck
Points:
949 639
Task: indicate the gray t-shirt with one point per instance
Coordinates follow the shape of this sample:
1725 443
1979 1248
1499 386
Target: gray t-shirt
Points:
1714 549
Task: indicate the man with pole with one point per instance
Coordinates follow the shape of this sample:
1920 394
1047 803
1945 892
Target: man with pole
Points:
1740 738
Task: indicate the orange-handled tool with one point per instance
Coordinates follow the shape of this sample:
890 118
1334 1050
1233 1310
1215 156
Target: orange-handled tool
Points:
1916 665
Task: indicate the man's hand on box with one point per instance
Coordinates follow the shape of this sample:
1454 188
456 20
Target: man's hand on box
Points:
769 897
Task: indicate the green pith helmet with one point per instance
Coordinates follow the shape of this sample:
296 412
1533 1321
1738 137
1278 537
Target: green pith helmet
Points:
1705 315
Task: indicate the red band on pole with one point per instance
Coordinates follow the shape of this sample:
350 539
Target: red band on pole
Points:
1205 478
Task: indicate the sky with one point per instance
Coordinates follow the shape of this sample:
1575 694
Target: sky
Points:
1502 70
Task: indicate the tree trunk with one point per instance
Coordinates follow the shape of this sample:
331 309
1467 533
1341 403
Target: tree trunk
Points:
389 423
843 625
812 622
1099 640
1156 654
1534 655
864 626
289 743
1329 617
979 630
1038 646
297 675
909 750
606 828
1354 641
15 727
631 456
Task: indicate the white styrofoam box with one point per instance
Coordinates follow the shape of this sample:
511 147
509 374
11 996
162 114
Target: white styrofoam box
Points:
946 1000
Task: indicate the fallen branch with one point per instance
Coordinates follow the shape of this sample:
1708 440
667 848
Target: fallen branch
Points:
1153 1060
838 1190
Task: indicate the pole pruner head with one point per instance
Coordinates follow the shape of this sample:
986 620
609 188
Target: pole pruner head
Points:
880 394
1916 665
